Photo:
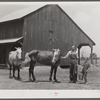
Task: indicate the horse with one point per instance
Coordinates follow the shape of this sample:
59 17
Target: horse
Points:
49 58
15 60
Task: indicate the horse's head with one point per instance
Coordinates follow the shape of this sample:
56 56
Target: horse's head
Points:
56 55
18 52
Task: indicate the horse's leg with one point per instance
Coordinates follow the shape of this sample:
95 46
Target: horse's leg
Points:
31 70
10 72
29 74
34 79
55 71
19 73
13 71
52 67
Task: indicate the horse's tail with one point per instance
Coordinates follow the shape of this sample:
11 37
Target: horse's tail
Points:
10 59
27 60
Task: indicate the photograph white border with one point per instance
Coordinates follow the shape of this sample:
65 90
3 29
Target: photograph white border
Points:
48 93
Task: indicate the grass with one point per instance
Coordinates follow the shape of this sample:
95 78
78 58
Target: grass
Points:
42 75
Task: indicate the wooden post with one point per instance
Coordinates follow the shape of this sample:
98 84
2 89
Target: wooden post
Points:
96 59
91 54
79 56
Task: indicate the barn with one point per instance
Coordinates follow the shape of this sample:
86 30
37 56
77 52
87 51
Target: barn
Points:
43 28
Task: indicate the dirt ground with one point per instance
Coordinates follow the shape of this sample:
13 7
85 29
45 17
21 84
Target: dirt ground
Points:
42 76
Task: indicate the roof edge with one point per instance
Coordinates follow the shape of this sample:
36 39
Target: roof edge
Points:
77 25
63 12
3 41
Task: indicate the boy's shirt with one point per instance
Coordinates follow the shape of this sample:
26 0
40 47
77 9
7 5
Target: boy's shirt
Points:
85 67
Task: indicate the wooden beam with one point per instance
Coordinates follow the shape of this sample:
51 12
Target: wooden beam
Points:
91 54
79 56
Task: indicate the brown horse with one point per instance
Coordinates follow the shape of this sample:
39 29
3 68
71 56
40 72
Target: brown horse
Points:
49 58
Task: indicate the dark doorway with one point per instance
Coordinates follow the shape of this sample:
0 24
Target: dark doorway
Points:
3 51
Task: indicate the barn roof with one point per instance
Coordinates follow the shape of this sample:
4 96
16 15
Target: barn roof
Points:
24 12
76 24
10 40
20 13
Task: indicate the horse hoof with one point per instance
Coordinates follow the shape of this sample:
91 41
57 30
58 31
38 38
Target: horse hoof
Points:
51 81
10 77
85 83
57 81
19 78
34 81
30 80
74 82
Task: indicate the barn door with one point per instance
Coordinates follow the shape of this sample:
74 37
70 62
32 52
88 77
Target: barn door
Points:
3 50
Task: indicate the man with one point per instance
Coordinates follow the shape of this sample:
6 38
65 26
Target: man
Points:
73 56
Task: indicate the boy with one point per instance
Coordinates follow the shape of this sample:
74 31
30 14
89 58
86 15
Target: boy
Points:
86 65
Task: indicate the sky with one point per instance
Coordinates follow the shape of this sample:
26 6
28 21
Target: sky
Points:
85 14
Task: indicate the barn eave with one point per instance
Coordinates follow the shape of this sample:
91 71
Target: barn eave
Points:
76 25
4 41
23 16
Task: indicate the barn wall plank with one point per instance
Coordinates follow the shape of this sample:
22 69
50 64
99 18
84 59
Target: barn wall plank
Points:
11 29
50 28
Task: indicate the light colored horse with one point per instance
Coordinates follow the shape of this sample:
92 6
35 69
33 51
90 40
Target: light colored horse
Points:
49 58
15 61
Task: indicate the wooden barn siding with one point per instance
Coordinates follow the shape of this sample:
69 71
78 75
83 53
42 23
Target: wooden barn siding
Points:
11 29
68 33
37 26
36 30
8 30
71 33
